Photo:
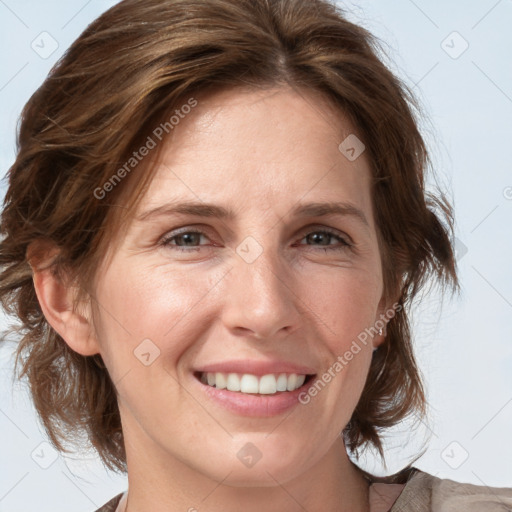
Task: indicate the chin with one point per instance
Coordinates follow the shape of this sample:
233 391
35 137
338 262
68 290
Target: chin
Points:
272 463
260 475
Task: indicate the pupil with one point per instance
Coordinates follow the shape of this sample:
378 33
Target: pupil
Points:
318 237
189 237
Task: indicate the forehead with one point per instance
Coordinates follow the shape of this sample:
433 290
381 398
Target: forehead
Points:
260 149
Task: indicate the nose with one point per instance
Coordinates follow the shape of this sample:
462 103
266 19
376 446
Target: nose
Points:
260 299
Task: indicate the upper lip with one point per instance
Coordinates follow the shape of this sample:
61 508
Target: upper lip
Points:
256 367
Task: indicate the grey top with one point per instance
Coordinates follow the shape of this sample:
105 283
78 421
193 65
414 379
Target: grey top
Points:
423 492
426 493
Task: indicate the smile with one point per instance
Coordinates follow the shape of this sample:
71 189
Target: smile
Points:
250 395
252 384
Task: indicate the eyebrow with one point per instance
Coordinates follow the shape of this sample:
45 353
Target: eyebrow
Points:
201 209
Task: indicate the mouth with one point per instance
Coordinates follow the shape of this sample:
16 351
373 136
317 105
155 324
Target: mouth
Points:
250 384
254 388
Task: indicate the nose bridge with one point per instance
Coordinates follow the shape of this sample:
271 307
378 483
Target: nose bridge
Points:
260 296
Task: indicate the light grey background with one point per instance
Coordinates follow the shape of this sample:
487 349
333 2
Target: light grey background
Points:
464 346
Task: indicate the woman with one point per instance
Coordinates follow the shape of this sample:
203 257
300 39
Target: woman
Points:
213 229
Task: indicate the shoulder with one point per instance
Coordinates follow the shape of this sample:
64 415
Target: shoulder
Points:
111 505
424 492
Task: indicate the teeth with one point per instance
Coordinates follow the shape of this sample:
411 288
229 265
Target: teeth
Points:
268 385
292 382
233 382
220 381
282 382
300 381
248 383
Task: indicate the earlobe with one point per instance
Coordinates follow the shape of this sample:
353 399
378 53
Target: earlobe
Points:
380 337
381 323
56 300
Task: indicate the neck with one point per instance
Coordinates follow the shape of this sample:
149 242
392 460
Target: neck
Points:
333 483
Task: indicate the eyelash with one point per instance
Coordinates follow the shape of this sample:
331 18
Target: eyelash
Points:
166 241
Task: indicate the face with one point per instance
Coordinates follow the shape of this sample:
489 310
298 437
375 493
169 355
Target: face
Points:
251 282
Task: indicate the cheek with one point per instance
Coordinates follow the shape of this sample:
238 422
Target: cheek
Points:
344 302
344 306
159 303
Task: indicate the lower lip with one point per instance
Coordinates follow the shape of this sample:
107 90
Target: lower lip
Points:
262 406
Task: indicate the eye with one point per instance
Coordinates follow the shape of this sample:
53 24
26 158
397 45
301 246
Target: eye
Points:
324 236
183 240
189 240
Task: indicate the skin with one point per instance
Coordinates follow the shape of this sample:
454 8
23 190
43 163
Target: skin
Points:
258 152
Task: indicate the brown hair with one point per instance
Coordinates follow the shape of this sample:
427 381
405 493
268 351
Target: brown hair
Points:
126 73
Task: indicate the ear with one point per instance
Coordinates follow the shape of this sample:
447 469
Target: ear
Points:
55 296
385 312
